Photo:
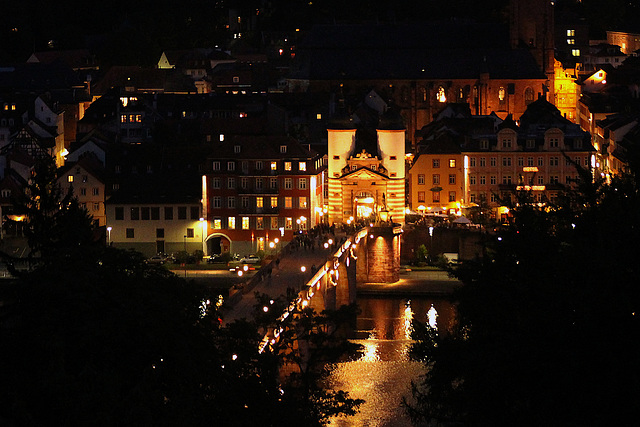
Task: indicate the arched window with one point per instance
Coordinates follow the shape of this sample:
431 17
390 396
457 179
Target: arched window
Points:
502 96
528 96
441 95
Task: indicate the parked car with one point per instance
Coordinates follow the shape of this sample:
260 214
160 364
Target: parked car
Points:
213 258
250 259
157 259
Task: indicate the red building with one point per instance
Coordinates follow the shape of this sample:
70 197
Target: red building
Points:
257 189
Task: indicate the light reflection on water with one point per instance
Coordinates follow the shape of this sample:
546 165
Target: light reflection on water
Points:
383 374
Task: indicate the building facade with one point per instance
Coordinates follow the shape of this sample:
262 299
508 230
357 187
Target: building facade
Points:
257 189
366 182
485 165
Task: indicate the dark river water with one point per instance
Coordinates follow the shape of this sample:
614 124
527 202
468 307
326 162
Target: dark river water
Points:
383 374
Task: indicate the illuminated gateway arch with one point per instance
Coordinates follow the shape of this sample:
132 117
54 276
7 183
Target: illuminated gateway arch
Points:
366 174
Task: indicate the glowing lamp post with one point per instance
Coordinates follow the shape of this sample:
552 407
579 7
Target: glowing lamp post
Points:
431 239
109 236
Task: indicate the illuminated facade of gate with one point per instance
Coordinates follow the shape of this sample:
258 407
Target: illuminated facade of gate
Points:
366 182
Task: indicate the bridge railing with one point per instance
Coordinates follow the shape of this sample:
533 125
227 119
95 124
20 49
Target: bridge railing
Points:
313 286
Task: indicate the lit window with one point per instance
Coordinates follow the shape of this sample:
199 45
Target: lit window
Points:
259 223
318 116
575 52
288 223
452 163
259 202
231 222
303 166
217 224
501 94
70 178
287 165
274 166
441 95
274 202
123 118
303 202
288 202
571 33
245 222
221 137
571 41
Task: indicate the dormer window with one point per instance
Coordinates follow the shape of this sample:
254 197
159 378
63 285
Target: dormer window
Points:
484 144
236 149
506 143
283 149
577 143
373 167
531 143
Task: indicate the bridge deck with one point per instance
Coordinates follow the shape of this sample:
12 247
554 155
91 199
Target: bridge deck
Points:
287 275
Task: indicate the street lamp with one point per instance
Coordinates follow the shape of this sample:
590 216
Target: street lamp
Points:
303 269
431 239
109 236
204 224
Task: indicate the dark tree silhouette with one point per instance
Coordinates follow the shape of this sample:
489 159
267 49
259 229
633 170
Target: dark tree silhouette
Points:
548 320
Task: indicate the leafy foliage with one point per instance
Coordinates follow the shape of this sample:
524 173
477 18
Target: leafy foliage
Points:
93 335
547 320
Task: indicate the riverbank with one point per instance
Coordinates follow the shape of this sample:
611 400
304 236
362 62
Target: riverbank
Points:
423 283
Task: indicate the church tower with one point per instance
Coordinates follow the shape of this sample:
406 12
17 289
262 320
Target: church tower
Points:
531 26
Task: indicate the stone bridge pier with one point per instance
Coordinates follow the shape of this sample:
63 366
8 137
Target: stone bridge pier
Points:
370 256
